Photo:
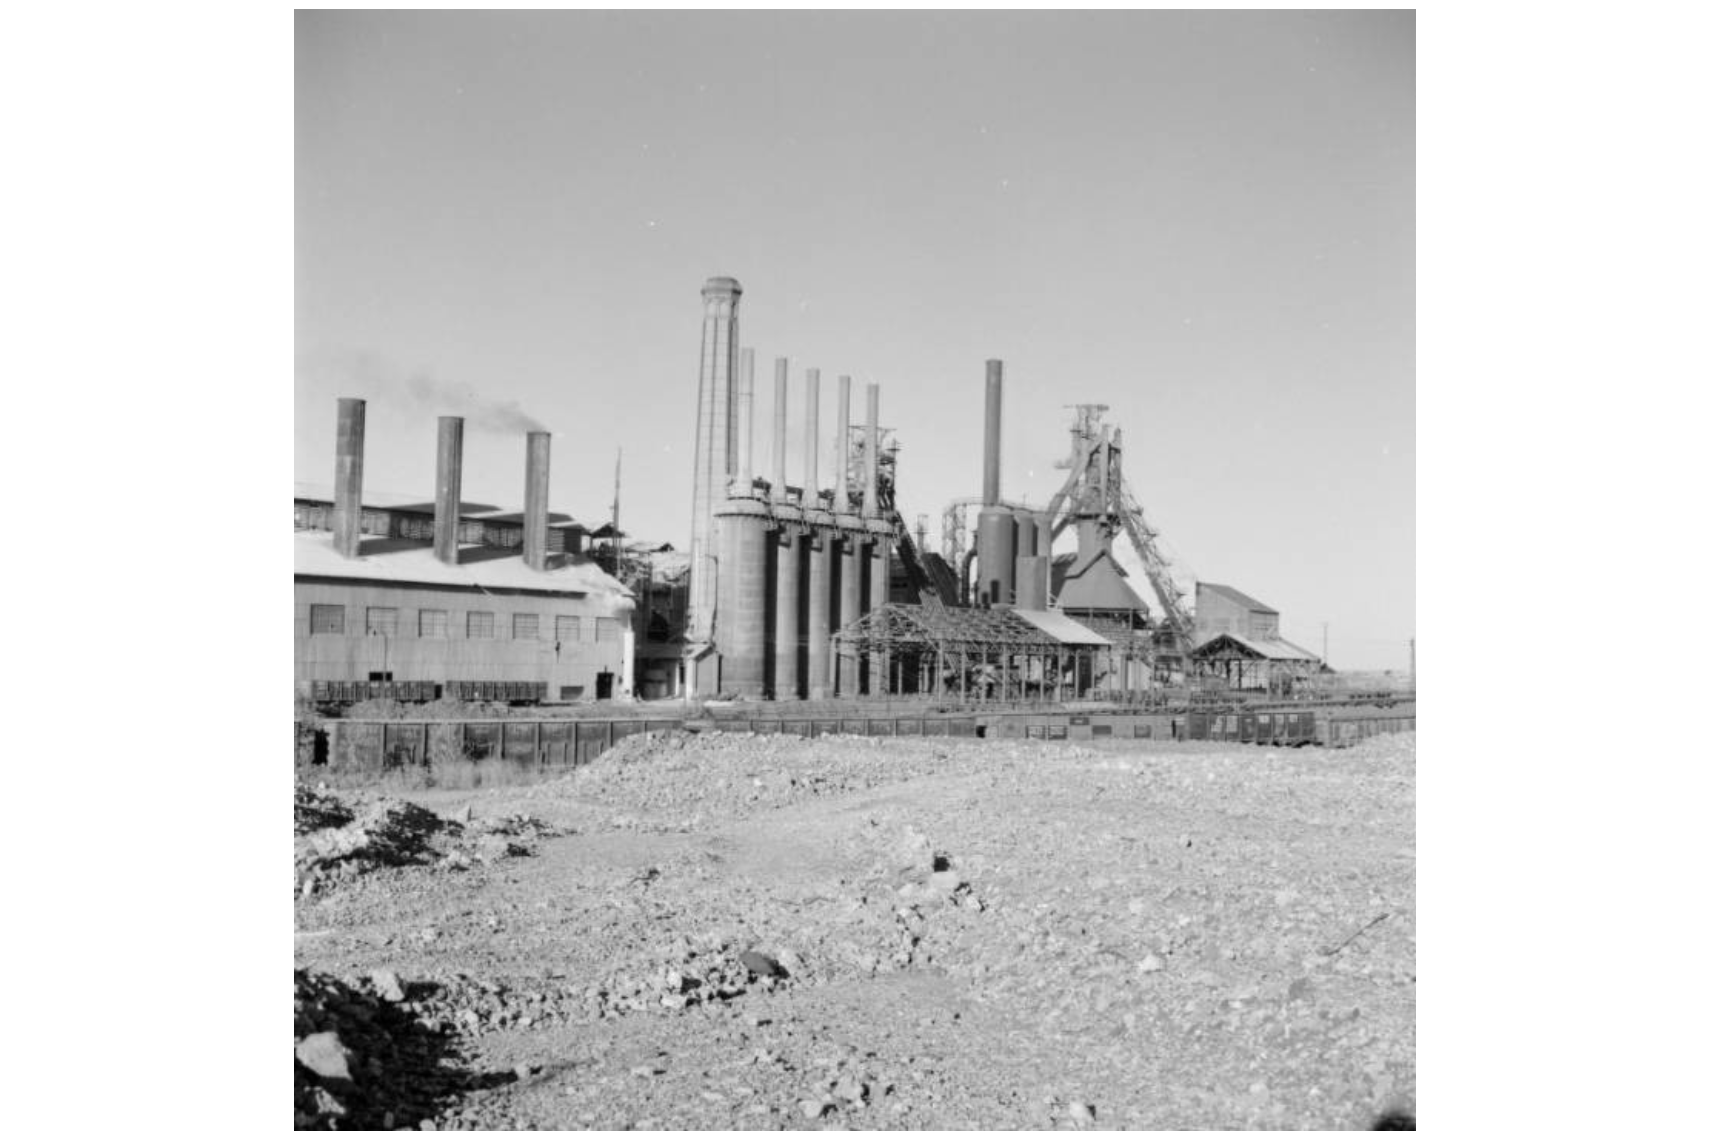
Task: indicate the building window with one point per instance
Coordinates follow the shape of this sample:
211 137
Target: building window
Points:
480 625
659 629
380 621
434 623
567 628
605 629
524 627
327 619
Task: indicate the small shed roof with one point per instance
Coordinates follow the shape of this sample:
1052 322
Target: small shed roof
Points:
903 624
1267 649
1062 627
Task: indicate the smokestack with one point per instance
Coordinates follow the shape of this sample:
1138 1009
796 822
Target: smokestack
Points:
872 508
447 507
778 491
350 465
812 425
842 500
992 432
746 407
715 385
534 499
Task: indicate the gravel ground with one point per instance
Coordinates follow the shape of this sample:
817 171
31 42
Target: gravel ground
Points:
731 931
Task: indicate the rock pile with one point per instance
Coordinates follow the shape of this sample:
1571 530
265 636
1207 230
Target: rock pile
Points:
338 840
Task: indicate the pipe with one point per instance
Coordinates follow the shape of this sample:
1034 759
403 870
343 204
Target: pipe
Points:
746 481
447 507
350 467
778 490
812 406
992 432
842 446
534 495
872 507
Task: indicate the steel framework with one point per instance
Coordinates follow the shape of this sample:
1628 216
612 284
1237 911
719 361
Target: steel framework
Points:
974 654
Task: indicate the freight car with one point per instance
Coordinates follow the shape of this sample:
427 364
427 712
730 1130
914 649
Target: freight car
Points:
336 693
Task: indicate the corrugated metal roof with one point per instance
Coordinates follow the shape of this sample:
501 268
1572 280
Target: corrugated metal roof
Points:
1062 627
403 562
906 624
1272 649
1234 595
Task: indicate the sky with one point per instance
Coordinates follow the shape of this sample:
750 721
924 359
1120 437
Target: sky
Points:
1205 220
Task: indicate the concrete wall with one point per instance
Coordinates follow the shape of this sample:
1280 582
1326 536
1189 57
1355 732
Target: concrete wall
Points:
599 645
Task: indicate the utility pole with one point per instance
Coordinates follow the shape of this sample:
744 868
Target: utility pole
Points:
1325 643
1412 663
617 478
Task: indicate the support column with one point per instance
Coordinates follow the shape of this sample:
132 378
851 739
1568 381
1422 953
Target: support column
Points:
851 591
819 578
743 640
788 575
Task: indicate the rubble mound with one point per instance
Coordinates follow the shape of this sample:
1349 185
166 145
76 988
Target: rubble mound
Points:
338 840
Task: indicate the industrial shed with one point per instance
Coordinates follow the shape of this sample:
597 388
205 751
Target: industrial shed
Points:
398 613
1272 665
1224 609
986 654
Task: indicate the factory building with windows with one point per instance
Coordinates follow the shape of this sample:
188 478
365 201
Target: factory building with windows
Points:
398 594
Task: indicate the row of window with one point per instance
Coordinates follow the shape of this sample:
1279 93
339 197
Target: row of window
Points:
385 621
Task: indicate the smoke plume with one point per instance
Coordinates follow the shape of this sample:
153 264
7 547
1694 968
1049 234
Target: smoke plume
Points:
371 377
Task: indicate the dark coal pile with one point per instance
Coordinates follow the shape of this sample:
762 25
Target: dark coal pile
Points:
365 1058
316 811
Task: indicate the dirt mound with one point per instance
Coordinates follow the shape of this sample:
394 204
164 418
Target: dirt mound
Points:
676 781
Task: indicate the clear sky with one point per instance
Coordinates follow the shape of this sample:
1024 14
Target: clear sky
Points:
1205 220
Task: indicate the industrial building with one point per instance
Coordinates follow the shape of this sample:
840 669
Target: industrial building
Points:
436 599
1240 644
813 592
